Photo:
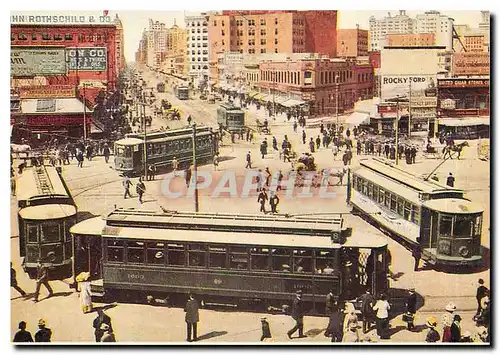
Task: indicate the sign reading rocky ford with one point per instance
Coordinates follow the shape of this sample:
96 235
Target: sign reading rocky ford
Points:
400 85
87 58
31 61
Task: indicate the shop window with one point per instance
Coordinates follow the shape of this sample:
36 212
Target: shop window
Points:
176 254
217 257
387 201
115 251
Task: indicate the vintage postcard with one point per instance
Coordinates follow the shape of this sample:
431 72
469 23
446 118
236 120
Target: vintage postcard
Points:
250 176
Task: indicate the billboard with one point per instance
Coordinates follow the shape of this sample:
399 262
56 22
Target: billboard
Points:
60 18
399 85
87 58
31 61
43 92
471 63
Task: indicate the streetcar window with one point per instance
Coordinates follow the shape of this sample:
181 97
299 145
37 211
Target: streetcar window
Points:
127 152
381 196
401 204
375 193
387 201
477 225
407 210
324 260
50 233
415 214
217 257
364 187
238 258
32 233
115 251
302 261
197 255
355 182
260 258
370 189
176 254
445 224
119 150
155 253
282 260
135 252
463 226
393 203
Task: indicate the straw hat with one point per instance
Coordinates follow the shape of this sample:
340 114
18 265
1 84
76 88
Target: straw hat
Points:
104 326
348 263
83 276
432 322
450 307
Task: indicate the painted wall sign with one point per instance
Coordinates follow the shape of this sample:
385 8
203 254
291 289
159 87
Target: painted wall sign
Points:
87 58
61 18
41 92
464 83
33 61
471 63
399 85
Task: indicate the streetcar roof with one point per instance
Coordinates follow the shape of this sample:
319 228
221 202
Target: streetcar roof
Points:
129 141
389 185
386 168
45 212
253 239
41 181
453 205
91 226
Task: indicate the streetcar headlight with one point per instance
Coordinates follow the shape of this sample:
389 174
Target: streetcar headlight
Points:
464 252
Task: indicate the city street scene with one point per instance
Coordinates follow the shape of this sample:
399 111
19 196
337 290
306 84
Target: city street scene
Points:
251 177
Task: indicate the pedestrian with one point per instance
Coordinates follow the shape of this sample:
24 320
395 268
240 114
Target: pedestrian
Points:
335 151
274 202
140 188
367 303
151 172
79 158
189 174
175 164
311 145
334 328
275 143
102 318
382 308
456 330
22 335
108 336
268 176
192 318
42 276
265 146
480 293
106 152
318 142
304 136
350 317
216 161
249 161
450 180
413 154
447 320
432 336
13 281
126 185
263 150
248 135
351 335
417 254
189 119
295 126
411 309
262 198
297 315
43 334
85 292
266 329
89 150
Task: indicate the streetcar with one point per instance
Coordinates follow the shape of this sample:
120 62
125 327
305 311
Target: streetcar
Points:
230 118
419 213
229 258
162 147
182 92
160 87
46 212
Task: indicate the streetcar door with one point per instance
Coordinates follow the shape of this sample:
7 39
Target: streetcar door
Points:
88 255
136 157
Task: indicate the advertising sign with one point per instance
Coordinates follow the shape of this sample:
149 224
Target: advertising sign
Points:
43 92
31 61
471 63
87 58
59 18
399 85
464 83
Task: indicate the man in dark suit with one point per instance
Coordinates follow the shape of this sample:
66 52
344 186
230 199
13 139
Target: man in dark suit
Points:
102 318
13 281
192 318
481 292
411 308
43 335
42 279
266 329
456 332
22 335
297 315
367 302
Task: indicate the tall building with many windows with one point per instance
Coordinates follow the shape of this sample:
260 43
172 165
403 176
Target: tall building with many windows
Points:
197 47
379 29
440 25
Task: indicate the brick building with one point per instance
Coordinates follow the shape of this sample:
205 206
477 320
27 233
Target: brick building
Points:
314 82
474 43
259 32
411 39
74 38
352 42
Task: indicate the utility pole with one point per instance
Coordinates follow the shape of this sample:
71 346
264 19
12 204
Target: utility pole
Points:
409 113
84 115
397 131
145 136
195 172
337 100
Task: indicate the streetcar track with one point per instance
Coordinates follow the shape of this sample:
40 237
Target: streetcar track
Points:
94 186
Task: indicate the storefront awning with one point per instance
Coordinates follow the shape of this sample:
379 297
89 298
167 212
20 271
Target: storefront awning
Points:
292 102
251 94
357 118
465 121
259 96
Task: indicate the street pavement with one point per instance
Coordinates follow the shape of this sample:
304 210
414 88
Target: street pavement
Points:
97 189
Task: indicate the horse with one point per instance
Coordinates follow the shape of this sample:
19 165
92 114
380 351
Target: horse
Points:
456 148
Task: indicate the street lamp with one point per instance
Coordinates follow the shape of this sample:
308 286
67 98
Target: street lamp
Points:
397 131
195 172
337 99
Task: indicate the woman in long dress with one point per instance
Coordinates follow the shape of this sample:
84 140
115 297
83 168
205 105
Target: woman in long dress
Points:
350 318
85 293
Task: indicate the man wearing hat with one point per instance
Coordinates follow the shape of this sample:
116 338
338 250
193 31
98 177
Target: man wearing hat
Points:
102 318
109 336
297 315
447 319
192 318
42 278
266 330
480 293
432 335
43 334
411 308
22 335
455 329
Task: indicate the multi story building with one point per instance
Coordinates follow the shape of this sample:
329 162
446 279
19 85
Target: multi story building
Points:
262 32
319 82
440 25
197 47
175 40
379 29
352 42
142 50
411 40
474 42
120 45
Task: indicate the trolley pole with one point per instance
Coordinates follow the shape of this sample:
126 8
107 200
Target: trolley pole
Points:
397 131
195 172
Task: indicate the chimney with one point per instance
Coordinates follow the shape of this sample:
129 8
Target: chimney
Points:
402 12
